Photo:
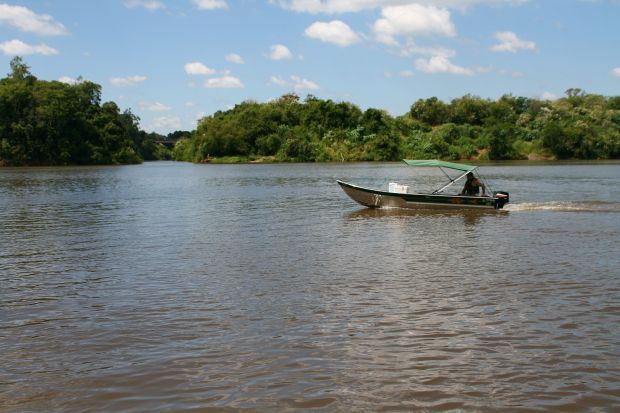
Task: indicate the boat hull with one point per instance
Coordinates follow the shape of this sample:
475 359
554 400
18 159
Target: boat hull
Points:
373 198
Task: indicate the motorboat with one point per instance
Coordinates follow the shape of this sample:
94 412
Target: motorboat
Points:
399 196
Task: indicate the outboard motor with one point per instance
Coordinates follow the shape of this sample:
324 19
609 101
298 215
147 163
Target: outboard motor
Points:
501 199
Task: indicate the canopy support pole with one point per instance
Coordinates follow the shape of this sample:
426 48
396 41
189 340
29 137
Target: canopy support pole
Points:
452 181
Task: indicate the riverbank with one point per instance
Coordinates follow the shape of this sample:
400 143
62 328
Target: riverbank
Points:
238 160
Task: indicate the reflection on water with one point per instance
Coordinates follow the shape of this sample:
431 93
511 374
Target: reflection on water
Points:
467 216
265 288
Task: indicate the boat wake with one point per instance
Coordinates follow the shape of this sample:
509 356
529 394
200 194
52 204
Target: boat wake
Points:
566 206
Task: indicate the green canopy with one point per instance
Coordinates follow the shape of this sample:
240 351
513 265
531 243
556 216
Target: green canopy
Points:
440 164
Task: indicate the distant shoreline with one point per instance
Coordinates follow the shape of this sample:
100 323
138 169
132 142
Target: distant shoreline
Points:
218 161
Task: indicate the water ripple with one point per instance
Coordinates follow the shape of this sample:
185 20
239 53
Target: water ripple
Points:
263 288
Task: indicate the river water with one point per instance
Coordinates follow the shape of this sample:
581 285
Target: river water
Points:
223 288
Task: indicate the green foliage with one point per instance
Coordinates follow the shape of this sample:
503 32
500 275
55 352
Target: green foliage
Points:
431 111
581 126
578 126
501 138
287 129
469 110
184 150
52 123
152 148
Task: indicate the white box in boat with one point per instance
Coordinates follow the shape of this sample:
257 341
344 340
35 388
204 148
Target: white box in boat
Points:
398 188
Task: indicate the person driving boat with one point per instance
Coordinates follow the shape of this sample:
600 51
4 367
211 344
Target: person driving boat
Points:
472 186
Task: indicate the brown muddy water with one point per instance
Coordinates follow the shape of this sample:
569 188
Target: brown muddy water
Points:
264 288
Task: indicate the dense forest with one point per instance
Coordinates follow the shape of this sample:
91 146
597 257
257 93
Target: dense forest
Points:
579 126
53 123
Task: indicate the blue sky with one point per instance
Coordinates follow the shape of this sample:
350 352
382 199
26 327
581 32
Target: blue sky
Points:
172 62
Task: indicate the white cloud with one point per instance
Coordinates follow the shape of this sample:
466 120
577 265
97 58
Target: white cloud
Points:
303 84
154 107
327 6
510 42
412 19
210 4
441 64
279 52
69 80
127 81
334 31
166 123
351 6
197 68
277 80
411 48
224 82
297 83
549 96
402 73
616 72
17 47
29 21
145 4
234 58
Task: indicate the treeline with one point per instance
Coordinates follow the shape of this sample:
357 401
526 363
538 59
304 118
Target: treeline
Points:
579 126
53 123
